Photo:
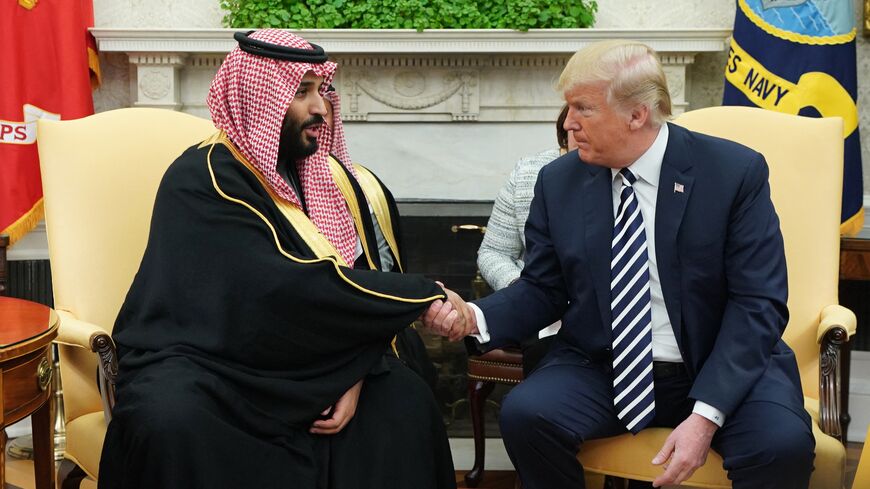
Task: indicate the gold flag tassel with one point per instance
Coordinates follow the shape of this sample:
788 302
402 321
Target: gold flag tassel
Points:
25 223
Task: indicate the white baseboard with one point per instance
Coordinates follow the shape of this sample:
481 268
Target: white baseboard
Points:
463 454
859 395
33 246
21 428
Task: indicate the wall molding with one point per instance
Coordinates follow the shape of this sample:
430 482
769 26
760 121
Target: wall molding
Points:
410 41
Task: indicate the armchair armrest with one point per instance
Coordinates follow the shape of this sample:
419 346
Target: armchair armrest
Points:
82 334
836 316
75 332
836 325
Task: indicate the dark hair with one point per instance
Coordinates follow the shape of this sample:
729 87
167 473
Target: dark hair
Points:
561 133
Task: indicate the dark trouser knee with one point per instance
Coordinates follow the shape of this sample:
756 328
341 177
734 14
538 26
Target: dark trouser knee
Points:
543 453
524 420
796 451
787 451
782 458
516 418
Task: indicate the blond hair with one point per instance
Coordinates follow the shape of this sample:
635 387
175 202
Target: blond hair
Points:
632 71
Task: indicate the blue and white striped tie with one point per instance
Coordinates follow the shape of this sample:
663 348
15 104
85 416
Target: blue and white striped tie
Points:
630 308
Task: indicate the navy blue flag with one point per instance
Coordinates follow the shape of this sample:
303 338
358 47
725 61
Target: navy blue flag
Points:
798 57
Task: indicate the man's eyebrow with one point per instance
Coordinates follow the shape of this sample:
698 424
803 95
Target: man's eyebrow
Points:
307 84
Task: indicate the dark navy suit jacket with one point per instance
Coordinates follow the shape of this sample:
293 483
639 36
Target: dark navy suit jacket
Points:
720 260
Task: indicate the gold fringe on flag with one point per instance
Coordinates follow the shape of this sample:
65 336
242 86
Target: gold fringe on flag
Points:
853 225
94 65
25 223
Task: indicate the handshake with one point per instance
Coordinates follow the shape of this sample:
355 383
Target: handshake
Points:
452 318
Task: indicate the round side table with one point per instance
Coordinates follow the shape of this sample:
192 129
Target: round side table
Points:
26 332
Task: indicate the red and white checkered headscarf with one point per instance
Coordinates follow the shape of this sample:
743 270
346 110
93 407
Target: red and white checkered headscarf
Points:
249 98
336 143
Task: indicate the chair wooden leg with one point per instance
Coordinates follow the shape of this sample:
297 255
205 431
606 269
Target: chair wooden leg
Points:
69 475
478 391
845 417
517 483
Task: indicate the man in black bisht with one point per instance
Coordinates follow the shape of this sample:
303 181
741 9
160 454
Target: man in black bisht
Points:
252 341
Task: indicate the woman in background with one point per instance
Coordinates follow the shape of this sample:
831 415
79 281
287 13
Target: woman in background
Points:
500 257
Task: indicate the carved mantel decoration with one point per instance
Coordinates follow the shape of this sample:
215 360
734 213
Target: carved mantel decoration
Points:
391 89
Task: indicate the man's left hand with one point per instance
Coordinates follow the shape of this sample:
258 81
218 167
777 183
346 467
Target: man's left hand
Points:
343 412
685 450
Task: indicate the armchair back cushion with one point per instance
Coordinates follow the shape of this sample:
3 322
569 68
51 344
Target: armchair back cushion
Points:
100 175
805 156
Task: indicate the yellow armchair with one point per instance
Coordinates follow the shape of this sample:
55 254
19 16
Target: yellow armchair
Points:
100 176
805 156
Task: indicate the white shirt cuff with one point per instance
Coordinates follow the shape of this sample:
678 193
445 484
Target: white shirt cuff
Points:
709 412
483 332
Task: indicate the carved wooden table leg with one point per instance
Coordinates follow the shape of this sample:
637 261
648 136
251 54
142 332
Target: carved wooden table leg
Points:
3 440
43 445
26 332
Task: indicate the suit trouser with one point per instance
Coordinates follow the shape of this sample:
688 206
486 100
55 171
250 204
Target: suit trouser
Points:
568 399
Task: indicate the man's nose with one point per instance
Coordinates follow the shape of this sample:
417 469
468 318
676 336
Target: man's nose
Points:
571 123
319 105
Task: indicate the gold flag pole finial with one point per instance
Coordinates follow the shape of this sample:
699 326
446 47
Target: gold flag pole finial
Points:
867 18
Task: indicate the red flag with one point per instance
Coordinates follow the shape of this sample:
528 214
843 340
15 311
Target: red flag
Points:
46 64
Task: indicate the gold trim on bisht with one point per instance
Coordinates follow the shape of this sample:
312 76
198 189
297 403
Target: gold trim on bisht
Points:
378 200
339 176
319 244
297 218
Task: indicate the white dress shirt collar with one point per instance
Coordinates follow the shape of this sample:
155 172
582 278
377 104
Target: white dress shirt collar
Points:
649 166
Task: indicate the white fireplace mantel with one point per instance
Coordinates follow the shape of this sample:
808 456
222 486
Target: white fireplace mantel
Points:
382 41
405 75
439 114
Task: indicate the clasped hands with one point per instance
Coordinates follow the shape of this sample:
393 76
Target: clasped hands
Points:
452 318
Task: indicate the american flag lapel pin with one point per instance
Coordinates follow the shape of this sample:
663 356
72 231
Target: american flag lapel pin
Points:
678 188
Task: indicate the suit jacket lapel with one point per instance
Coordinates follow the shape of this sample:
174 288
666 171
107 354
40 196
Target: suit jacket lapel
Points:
598 217
675 189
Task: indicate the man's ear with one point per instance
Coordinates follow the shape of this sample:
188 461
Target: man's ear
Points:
639 116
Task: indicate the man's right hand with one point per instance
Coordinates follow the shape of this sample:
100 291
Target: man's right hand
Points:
454 318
